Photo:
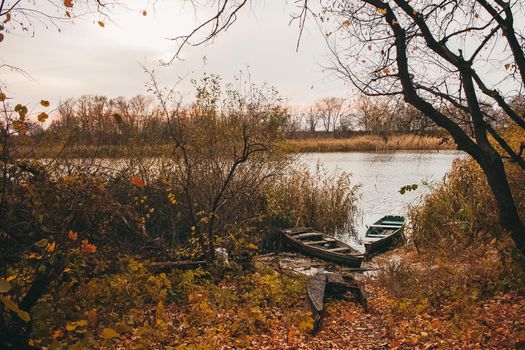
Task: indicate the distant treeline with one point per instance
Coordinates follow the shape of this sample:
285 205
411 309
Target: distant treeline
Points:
99 120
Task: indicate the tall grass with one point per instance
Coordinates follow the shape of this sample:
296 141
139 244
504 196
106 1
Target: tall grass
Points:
368 143
461 211
305 198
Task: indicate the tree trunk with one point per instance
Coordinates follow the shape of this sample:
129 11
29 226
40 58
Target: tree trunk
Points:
509 219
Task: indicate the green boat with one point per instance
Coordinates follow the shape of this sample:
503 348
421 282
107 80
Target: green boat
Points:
384 234
321 245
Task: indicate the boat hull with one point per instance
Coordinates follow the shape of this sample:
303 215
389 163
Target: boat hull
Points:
394 239
353 259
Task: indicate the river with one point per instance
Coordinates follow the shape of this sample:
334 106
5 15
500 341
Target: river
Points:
381 175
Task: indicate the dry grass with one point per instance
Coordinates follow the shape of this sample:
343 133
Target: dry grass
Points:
368 143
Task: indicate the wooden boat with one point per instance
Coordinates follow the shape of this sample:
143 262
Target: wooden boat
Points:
384 234
321 245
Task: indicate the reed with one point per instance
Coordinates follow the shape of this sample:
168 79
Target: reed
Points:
365 143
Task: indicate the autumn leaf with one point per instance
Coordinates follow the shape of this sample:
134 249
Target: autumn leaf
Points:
7 17
102 24
109 333
346 23
4 286
507 66
56 334
144 13
395 21
370 47
386 70
68 3
2 97
24 316
72 235
382 10
137 181
1 37
88 247
44 103
42 117
68 14
51 247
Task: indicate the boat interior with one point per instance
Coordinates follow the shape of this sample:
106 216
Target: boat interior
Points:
320 240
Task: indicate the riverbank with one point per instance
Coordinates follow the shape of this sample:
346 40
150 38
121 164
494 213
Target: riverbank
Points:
366 143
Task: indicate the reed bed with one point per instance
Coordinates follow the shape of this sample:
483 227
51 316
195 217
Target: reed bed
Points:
365 143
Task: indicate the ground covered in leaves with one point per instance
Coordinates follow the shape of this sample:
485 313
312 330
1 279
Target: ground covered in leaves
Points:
264 308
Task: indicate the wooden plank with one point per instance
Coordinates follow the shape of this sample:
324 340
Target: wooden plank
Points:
295 231
324 241
308 235
341 249
384 226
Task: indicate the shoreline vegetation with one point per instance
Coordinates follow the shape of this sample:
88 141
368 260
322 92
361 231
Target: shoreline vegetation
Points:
323 144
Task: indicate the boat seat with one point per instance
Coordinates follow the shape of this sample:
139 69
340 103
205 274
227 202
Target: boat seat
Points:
341 249
309 235
384 226
393 223
294 231
324 241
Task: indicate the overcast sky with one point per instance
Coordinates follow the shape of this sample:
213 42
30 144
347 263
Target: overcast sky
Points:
85 58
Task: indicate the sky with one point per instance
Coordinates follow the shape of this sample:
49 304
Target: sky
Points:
85 58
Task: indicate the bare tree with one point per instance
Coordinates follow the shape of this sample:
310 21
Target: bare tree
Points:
330 110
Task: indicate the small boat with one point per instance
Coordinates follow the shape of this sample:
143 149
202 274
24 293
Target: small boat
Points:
321 245
384 234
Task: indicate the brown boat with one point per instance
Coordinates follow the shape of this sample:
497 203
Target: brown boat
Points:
321 245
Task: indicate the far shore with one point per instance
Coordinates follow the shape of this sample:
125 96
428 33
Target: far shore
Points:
309 144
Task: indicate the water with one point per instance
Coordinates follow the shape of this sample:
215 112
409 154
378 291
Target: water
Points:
381 175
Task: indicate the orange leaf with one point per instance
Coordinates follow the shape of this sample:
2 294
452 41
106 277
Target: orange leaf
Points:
137 181
144 13
88 247
386 70
72 235
102 24
68 3
44 103
382 10
7 17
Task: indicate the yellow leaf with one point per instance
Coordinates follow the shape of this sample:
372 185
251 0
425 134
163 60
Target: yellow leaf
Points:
82 323
382 10
71 326
24 316
102 24
44 103
109 333
2 97
9 303
5 286
10 278
42 117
